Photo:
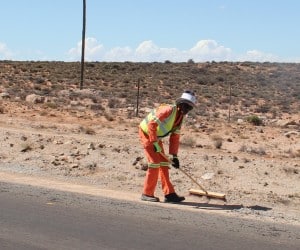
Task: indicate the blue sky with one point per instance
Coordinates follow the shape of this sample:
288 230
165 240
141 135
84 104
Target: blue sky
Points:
151 30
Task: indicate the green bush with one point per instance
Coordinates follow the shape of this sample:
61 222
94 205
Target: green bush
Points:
255 120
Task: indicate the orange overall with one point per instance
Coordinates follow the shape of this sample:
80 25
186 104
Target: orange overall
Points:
158 166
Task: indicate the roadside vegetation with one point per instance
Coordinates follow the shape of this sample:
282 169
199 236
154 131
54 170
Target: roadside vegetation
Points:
225 90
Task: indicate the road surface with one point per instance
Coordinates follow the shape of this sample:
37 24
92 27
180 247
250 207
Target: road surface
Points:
43 218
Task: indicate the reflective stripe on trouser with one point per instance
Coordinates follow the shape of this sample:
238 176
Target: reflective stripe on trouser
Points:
152 178
157 166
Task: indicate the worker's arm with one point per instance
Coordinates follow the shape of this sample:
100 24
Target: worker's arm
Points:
174 143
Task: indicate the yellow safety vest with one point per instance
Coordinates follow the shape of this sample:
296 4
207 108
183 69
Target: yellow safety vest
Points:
165 127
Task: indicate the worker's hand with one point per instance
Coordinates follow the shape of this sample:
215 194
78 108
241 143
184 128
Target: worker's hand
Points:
157 148
175 162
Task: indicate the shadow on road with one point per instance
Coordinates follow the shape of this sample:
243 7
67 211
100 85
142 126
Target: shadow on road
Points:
208 206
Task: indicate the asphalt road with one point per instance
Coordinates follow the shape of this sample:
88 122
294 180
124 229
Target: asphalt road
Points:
39 218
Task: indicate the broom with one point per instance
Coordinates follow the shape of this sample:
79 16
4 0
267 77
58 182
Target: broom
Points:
202 191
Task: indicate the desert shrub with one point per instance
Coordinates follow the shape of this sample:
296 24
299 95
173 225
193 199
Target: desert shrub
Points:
108 117
87 130
293 153
51 105
258 151
218 141
263 108
40 80
243 148
44 113
290 170
251 150
113 103
97 107
225 99
201 82
220 79
255 120
1 110
188 141
216 114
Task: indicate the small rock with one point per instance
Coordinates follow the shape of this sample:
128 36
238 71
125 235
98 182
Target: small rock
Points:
207 176
23 138
91 146
4 95
33 98
137 160
144 167
291 133
260 130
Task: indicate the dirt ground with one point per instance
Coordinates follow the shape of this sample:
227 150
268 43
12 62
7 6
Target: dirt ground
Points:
257 167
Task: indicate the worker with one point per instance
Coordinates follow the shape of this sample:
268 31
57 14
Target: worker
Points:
164 121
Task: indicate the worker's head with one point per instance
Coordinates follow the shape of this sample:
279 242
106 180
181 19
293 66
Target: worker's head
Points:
186 102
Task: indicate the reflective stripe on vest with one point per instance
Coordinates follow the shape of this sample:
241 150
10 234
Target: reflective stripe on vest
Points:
163 128
157 165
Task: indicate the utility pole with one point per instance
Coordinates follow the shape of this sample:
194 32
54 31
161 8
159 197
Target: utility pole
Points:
83 44
229 108
138 98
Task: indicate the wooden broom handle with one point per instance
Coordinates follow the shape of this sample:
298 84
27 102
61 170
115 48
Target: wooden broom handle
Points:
193 180
184 172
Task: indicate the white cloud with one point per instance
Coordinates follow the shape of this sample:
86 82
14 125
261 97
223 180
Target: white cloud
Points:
93 50
148 51
5 53
258 56
207 50
119 54
147 48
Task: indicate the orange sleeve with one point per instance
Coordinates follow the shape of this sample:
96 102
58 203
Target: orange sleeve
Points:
161 113
174 144
152 126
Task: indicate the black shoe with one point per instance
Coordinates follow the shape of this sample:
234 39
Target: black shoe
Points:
145 197
173 197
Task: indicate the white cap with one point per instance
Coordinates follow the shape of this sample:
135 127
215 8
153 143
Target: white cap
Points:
187 97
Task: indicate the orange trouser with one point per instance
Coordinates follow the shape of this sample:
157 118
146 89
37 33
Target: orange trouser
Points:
157 167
